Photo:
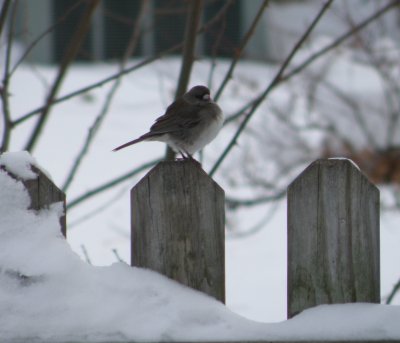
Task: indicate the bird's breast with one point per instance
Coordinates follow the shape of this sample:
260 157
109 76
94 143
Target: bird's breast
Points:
208 129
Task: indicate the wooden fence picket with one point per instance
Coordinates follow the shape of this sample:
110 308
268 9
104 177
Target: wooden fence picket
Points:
333 237
43 192
178 223
178 219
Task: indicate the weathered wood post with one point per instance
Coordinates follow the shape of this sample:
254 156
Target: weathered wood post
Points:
333 237
42 192
178 219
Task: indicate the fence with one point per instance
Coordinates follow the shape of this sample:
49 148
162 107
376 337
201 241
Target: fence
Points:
177 229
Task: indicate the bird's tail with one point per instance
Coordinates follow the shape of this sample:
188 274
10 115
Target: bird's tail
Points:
137 140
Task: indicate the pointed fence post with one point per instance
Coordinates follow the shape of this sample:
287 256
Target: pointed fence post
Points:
333 237
178 219
43 192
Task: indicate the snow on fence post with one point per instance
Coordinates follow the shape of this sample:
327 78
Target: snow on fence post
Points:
42 192
333 237
177 226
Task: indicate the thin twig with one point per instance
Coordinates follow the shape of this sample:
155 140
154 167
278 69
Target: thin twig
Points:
85 254
340 40
302 66
4 93
98 84
137 66
238 113
276 80
214 51
44 34
132 44
99 189
391 92
394 291
319 53
355 107
192 24
258 226
101 208
234 203
115 252
228 4
70 54
240 49
3 14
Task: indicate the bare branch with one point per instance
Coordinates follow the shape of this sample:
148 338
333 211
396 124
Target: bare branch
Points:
43 34
234 203
256 102
99 189
99 83
257 227
239 112
70 54
4 93
3 14
392 294
277 79
132 44
85 254
192 24
355 107
240 50
119 259
214 51
137 66
391 91
97 210
340 40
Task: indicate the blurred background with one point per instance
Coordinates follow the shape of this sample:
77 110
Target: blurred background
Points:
80 77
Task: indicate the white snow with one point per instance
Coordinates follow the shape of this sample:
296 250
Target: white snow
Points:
48 294
63 296
19 164
345 159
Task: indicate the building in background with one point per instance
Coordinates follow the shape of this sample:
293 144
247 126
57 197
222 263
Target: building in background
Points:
112 26
164 22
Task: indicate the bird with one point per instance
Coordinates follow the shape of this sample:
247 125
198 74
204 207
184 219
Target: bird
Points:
188 124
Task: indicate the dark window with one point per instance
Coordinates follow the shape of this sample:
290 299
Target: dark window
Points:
68 14
169 23
120 17
118 20
222 39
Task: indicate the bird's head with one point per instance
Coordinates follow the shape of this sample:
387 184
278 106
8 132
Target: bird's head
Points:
198 95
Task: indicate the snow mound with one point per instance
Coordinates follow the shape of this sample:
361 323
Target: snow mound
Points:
47 294
19 164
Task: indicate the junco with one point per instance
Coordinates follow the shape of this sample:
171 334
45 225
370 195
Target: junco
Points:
189 123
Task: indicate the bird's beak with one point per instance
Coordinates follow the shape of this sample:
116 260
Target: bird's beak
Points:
206 97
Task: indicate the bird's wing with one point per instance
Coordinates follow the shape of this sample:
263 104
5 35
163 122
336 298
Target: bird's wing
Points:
179 115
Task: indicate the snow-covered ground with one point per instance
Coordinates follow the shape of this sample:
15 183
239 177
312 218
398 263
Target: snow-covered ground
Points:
256 264
142 97
47 294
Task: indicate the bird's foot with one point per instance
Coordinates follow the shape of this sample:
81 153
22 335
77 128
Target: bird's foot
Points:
186 157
